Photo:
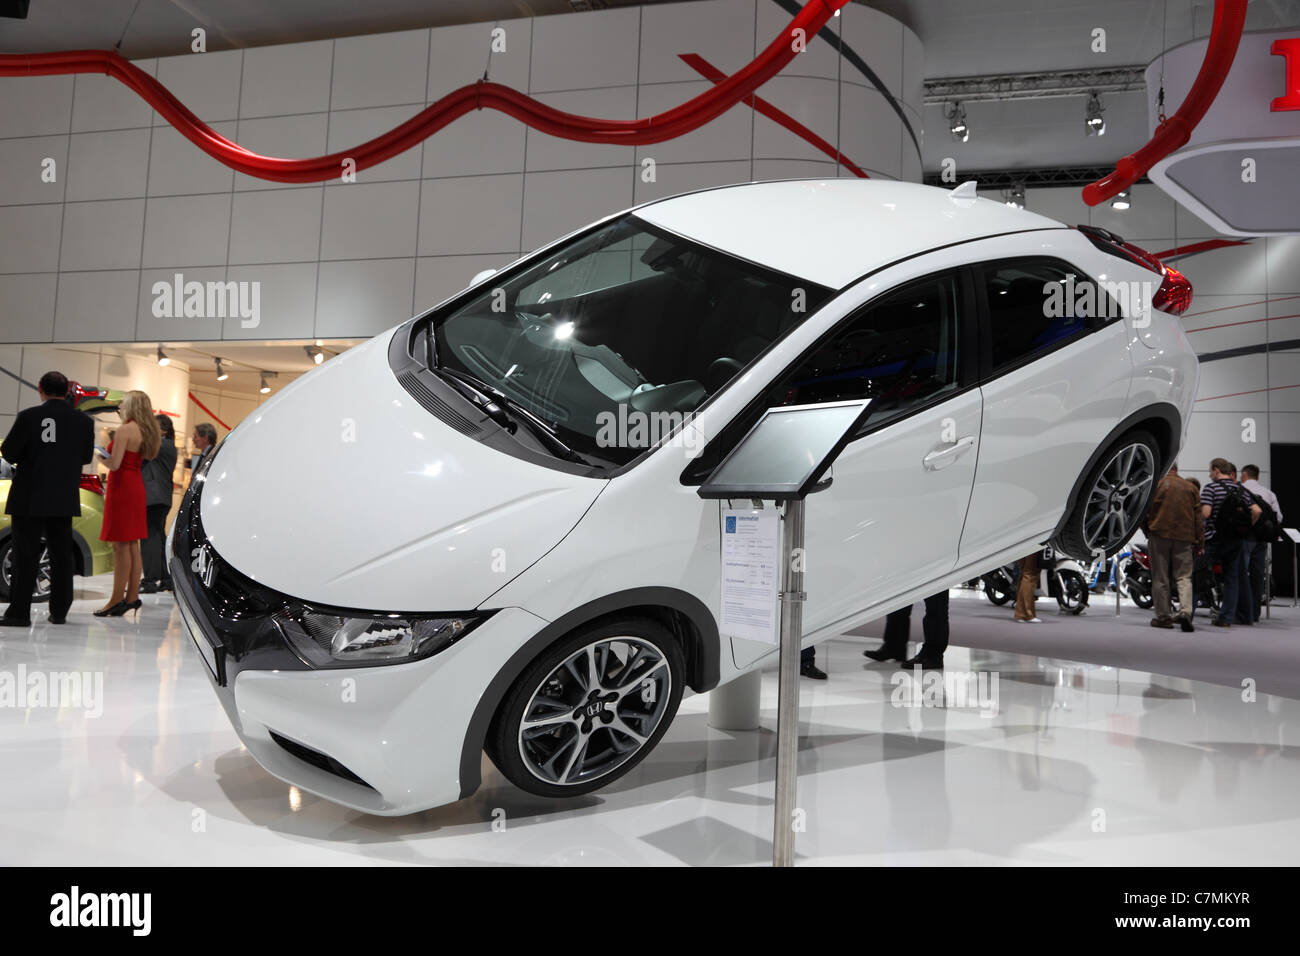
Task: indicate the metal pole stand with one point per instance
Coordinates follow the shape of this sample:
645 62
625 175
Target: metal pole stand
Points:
787 707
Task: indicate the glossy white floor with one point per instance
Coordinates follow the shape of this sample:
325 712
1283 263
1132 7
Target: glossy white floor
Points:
1080 764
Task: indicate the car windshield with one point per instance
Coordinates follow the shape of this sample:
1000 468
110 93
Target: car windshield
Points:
619 336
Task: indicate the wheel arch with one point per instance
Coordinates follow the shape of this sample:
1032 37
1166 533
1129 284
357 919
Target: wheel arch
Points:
1164 423
685 616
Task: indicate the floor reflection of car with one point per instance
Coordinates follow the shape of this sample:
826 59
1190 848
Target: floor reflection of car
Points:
524 567
89 555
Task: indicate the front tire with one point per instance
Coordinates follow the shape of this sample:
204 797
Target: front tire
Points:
1112 500
589 709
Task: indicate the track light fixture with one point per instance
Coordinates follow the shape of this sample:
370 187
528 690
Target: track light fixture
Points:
1122 200
163 360
316 353
957 123
1094 122
264 386
222 374
1016 196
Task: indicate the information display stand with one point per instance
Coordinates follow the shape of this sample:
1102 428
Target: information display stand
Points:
784 458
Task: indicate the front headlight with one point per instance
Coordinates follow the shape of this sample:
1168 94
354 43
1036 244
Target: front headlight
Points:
328 639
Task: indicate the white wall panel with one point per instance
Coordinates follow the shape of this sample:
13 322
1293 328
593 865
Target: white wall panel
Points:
287 301
97 306
36 105
678 28
477 214
373 221
559 202
29 238
178 167
282 80
379 69
591 51
102 235
21 161
102 102
363 298
186 230
109 165
207 83
27 314
277 225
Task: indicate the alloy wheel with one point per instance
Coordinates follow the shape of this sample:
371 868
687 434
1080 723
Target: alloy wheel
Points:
42 573
595 711
1118 497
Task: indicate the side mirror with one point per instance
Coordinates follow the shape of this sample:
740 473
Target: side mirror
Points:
485 274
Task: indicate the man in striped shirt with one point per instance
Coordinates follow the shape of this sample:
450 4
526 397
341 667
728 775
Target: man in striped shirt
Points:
1225 547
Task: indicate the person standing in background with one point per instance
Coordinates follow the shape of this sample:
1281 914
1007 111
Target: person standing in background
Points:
48 443
1026 609
125 520
158 472
205 444
1174 530
934 627
1258 550
1225 540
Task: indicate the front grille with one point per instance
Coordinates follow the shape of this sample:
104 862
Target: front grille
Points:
317 759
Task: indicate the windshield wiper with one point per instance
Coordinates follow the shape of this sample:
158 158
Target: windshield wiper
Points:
480 396
494 403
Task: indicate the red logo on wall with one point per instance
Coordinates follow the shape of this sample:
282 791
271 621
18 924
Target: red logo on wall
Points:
1290 49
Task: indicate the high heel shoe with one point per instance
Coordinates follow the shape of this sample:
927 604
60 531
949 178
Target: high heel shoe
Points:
120 608
117 610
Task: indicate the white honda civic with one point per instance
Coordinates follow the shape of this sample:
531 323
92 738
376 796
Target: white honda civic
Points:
481 530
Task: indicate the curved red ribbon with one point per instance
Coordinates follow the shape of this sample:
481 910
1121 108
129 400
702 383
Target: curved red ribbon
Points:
682 119
1225 36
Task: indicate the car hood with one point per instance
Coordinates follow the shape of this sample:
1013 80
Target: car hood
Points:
343 490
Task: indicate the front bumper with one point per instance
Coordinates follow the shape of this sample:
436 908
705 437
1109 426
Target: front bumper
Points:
385 740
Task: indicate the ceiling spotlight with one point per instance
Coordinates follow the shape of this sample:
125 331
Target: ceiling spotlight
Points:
1016 196
1094 122
957 123
317 355
222 374
1122 200
264 387
162 357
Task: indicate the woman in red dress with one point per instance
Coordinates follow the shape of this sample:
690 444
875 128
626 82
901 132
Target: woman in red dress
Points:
125 524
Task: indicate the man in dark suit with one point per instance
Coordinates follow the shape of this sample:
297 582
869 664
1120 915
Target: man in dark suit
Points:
205 445
48 443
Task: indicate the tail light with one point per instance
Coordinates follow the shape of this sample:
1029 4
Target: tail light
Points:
92 483
1174 296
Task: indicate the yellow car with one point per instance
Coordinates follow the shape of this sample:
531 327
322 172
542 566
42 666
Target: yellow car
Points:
89 554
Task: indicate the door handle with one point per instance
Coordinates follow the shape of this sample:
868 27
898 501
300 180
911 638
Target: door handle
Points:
938 460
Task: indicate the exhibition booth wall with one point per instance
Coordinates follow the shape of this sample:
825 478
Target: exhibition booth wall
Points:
133 204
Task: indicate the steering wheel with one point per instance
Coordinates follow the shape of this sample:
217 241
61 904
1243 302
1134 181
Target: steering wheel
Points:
720 372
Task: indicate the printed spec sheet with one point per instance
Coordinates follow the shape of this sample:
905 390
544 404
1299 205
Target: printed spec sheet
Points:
751 572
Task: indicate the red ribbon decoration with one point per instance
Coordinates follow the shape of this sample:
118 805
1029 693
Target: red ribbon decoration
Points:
1173 133
671 124
210 412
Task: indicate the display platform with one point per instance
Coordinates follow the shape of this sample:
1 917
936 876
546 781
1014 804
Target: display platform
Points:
1184 772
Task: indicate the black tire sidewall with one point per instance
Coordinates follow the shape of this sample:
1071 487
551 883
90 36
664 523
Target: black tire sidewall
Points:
503 747
1070 539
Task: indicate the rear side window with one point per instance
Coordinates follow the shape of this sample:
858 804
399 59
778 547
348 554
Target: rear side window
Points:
1037 305
900 351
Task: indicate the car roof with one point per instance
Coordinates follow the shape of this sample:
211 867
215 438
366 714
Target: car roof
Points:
832 231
